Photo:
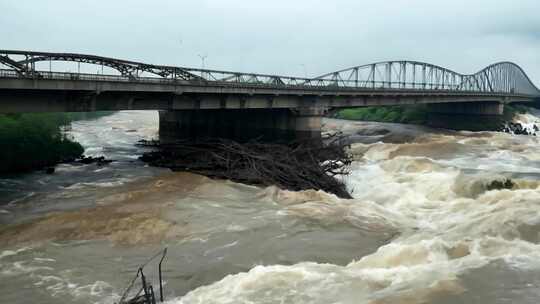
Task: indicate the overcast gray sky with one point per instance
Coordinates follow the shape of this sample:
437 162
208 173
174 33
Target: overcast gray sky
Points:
281 36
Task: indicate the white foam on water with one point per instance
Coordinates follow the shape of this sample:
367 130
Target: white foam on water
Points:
441 221
107 135
44 260
449 223
214 250
44 274
21 199
529 121
7 253
65 168
22 267
103 184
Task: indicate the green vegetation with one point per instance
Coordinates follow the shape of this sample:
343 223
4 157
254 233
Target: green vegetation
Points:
398 114
511 110
33 141
419 114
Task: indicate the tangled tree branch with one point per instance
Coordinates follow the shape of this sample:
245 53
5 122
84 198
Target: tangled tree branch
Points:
296 166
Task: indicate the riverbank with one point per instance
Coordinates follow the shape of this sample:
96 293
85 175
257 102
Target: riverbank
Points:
420 115
35 141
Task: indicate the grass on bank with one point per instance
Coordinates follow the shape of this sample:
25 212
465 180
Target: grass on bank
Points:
419 114
395 114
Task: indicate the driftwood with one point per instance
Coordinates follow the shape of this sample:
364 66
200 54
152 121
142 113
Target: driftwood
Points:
295 166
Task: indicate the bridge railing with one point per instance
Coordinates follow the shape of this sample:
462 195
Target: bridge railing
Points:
4 73
300 83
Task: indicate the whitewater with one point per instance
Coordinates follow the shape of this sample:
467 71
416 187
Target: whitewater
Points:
426 224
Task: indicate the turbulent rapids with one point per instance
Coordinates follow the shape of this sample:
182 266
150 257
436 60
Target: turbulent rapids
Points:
429 222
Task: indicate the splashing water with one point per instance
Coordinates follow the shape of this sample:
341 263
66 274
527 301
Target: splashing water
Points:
426 225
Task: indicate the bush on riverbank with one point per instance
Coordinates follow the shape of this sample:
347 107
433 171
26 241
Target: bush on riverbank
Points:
417 114
514 109
33 141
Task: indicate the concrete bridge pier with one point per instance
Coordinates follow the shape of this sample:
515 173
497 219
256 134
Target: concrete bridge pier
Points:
468 108
472 116
269 125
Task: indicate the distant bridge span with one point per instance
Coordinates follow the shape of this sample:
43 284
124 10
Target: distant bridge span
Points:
27 86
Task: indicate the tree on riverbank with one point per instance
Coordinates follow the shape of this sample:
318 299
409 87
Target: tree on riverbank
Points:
33 141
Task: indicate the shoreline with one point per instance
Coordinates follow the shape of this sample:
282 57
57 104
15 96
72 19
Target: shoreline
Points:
420 116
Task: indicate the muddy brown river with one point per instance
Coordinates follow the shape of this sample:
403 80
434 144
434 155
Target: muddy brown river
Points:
425 225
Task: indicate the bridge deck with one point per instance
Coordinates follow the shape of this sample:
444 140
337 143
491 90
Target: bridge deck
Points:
24 88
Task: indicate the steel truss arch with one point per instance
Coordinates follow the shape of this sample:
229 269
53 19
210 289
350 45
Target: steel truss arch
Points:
125 67
502 77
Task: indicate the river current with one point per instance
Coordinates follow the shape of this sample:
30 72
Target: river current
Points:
425 224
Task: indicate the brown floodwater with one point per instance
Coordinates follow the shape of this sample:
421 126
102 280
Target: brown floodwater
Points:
424 226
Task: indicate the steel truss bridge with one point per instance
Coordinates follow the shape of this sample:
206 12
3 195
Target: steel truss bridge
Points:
401 81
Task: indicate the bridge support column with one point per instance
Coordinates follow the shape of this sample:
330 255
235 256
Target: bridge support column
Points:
468 108
307 122
240 124
472 116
